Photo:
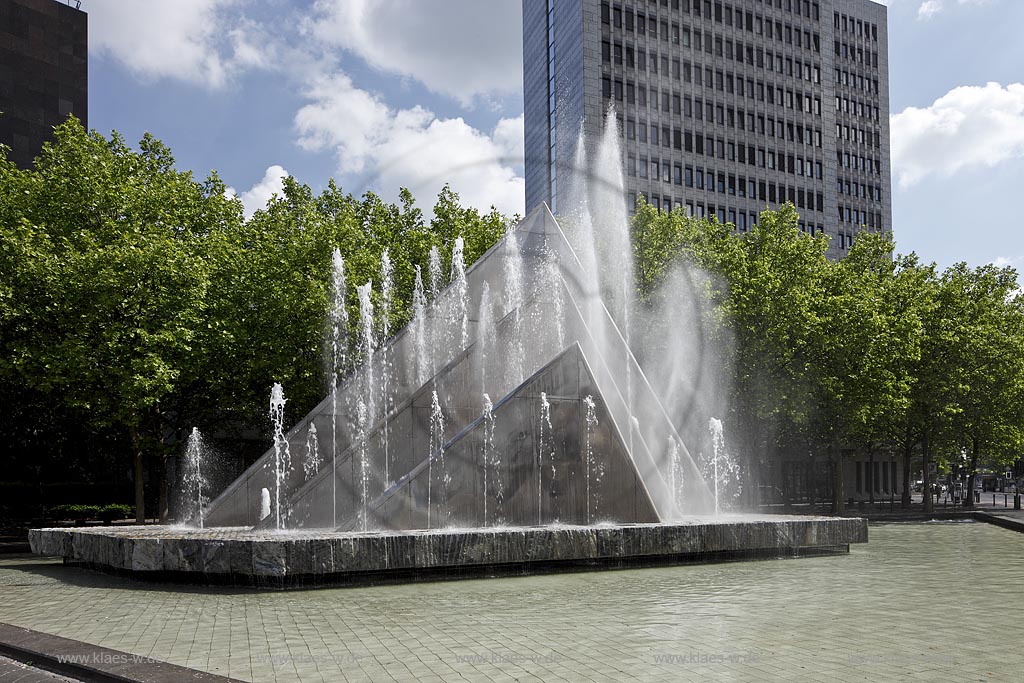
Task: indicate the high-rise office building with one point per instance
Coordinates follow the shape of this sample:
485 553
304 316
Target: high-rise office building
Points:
43 72
724 107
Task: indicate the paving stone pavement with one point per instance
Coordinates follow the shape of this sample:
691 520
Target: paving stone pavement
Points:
890 610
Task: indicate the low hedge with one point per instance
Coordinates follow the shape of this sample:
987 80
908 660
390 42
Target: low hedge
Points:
104 513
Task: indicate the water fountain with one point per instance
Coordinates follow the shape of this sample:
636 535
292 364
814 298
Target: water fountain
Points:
193 482
282 449
311 461
590 463
338 314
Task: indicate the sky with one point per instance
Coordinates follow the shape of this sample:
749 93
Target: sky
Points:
383 94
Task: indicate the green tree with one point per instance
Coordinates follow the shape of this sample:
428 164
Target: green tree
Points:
108 291
987 358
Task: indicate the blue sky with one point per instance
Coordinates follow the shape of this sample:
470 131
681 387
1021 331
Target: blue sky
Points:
386 93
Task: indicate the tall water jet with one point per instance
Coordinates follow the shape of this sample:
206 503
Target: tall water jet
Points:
461 304
591 419
419 316
514 298
581 226
614 256
192 480
486 334
387 287
438 318
311 461
339 343
365 405
363 473
545 428
282 454
675 471
264 503
434 272
487 454
718 446
436 446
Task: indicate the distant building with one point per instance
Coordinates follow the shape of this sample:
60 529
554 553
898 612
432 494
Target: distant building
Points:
725 107
43 72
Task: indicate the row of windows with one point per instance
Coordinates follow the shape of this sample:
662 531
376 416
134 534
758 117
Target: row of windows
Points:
745 121
773 62
740 219
858 135
773 95
724 183
716 113
723 14
694 142
856 162
864 110
849 214
860 190
848 78
858 27
868 481
857 54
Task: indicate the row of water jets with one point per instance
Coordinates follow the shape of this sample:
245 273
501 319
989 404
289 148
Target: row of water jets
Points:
607 269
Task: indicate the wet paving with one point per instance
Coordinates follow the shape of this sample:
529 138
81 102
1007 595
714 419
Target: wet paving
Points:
917 602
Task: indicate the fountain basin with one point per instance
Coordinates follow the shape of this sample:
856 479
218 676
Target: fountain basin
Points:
312 557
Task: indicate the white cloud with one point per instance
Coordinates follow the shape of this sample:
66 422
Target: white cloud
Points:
929 8
413 148
968 127
197 41
257 196
461 48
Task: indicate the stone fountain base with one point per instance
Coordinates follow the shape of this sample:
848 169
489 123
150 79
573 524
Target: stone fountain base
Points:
306 558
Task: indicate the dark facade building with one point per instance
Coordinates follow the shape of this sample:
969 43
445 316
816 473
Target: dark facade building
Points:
725 107
43 72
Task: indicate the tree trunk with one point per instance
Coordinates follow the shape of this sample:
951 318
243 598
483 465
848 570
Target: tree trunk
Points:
836 457
971 474
164 503
908 450
140 489
926 459
871 478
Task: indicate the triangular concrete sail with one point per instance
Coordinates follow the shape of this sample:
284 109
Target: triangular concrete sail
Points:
551 311
546 453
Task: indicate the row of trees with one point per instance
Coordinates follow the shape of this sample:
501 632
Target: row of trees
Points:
874 354
136 302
